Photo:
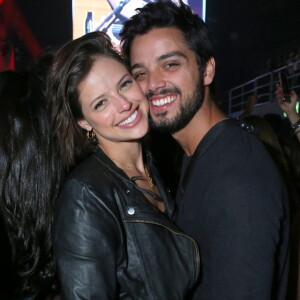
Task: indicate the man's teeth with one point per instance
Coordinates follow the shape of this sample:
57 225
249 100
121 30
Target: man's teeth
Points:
130 119
163 101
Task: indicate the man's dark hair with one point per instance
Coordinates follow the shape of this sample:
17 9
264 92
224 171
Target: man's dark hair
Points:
166 13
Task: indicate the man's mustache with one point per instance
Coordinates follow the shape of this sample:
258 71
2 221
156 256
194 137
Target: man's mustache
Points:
163 92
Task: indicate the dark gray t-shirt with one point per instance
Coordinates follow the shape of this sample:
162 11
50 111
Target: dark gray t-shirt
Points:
233 201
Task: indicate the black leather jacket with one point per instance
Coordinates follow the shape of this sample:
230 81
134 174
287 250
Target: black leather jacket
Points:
111 243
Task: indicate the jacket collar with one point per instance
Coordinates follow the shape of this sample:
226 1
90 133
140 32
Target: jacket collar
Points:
101 157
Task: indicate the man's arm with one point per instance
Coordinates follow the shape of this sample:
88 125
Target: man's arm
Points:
249 238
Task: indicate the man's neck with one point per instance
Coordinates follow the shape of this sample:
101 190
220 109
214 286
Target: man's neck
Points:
191 135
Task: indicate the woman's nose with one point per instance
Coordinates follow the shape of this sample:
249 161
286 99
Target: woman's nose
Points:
122 103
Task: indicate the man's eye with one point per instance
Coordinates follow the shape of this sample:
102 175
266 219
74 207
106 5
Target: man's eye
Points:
172 65
139 75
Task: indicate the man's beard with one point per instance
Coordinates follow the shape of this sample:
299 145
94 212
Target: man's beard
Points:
187 110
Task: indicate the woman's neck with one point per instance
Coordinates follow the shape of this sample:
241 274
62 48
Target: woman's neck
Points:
129 158
128 155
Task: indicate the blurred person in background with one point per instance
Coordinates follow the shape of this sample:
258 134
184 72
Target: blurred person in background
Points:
30 178
289 107
292 150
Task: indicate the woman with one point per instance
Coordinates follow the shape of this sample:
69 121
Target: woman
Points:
30 175
289 107
291 147
112 235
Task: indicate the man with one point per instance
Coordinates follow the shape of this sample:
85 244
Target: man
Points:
231 198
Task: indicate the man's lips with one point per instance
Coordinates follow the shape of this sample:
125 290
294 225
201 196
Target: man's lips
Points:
163 101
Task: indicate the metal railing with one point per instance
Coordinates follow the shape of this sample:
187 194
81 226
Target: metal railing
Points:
263 87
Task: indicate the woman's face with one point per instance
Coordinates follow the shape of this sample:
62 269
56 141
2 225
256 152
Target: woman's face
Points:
112 103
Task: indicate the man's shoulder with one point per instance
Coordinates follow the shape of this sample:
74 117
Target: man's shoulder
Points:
232 141
234 160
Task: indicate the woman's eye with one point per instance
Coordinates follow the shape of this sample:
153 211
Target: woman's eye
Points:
126 83
100 104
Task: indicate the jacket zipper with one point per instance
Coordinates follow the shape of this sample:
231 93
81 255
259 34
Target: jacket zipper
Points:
178 233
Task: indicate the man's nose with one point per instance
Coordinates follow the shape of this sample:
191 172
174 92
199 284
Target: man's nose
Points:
155 82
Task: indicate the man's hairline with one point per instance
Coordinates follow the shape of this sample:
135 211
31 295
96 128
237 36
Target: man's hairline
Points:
152 28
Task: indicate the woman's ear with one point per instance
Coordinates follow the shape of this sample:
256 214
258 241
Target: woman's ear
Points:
209 72
84 125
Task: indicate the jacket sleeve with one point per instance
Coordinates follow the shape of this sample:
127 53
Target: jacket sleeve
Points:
86 237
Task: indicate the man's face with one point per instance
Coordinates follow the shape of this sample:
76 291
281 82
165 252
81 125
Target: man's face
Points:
168 73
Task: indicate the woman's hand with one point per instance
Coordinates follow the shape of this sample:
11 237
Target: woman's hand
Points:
288 107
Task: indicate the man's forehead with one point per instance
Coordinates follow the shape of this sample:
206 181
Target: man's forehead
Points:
158 44
166 34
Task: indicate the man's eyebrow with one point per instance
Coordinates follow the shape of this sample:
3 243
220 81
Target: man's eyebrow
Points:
171 54
136 66
160 58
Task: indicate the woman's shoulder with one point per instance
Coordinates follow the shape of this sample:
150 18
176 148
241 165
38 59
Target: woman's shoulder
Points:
86 169
89 185
90 175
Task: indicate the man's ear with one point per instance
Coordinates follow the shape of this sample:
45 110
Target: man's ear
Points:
209 72
84 125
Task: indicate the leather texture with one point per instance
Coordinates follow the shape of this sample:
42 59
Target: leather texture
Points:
111 243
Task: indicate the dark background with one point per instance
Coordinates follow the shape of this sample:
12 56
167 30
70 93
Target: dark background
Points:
246 33
49 20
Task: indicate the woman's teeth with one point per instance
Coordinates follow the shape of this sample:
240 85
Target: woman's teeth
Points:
130 119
